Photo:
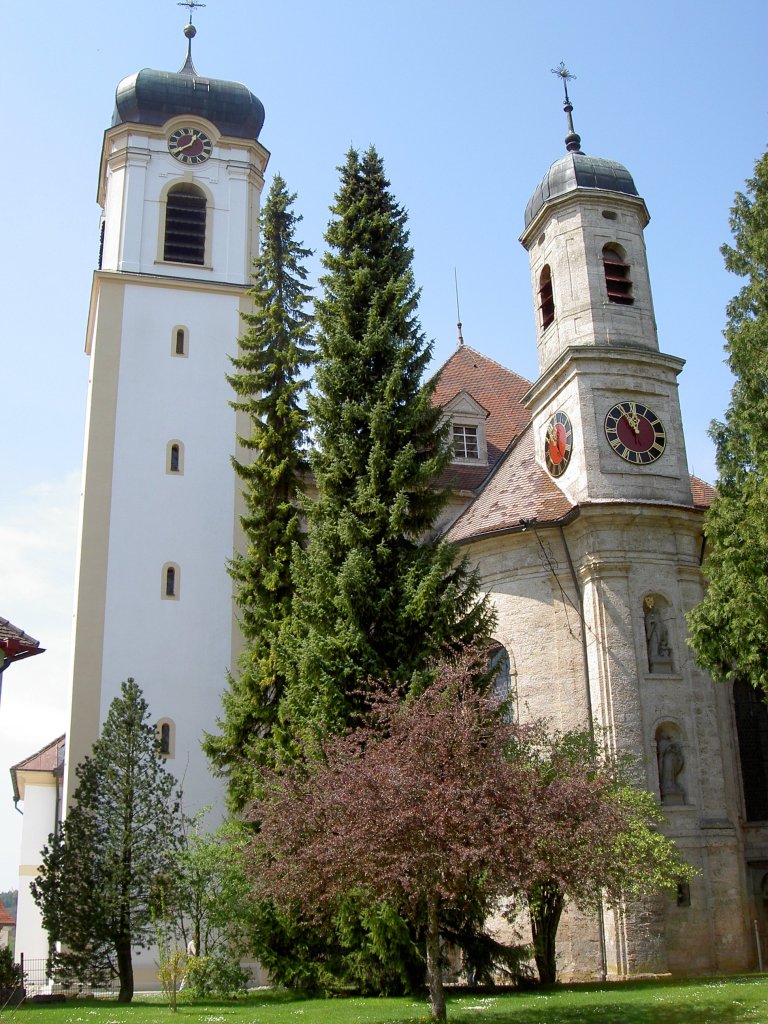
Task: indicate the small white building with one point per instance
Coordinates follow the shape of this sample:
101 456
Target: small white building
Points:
38 784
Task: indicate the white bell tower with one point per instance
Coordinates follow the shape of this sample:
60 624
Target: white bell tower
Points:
180 182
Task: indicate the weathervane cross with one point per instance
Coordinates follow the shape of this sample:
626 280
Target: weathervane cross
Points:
562 72
572 140
191 4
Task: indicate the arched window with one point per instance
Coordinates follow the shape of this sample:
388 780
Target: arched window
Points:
185 211
174 457
617 279
170 582
166 737
179 347
546 298
752 730
501 683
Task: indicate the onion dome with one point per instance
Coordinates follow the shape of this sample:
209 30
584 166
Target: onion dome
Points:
577 170
153 97
574 171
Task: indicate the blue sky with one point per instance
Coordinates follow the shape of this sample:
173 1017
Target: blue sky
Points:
459 100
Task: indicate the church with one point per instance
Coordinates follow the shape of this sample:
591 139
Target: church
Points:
571 494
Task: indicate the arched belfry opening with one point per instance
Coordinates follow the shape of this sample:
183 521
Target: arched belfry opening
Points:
185 216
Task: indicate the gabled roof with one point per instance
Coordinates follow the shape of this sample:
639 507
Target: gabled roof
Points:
519 490
499 391
47 759
513 488
6 920
15 643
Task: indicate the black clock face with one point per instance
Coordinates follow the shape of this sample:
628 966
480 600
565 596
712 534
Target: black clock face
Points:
558 444
635 433
190 146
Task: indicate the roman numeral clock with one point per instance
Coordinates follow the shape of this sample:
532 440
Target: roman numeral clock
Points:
635 433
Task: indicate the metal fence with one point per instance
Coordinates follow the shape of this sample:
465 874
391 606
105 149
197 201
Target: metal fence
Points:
39 984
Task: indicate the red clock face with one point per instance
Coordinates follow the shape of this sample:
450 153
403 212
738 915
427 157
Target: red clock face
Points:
635 433
558 444
190 146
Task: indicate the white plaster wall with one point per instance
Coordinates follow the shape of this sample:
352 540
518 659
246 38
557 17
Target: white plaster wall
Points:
178 651
39 822
140 169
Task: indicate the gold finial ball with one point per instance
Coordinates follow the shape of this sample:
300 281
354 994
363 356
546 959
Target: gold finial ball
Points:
190 31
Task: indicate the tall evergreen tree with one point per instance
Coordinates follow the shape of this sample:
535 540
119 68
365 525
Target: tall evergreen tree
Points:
99 876
376 593
729 629
274 350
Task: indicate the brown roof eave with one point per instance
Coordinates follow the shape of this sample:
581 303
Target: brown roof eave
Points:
523 525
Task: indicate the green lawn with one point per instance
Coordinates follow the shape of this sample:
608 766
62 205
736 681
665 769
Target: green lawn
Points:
707 1001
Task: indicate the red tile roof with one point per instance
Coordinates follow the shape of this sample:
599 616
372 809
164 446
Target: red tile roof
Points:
5 917
498 390
48 759
703 493
520 489
15 643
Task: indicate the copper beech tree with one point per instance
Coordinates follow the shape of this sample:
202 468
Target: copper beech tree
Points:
429 802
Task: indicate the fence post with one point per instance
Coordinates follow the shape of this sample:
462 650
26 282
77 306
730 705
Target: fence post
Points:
21 970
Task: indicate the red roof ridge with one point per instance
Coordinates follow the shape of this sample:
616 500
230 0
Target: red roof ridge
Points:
485 358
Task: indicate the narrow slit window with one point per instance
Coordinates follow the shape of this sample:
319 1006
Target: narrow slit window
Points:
185 213
170 582
465 443
165 738
546 298
174 457
617 279
180 345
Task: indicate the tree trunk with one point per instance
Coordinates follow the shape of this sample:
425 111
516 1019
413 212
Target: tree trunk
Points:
545 904
434 967
125 971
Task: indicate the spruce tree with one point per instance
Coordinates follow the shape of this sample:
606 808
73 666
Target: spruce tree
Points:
99 882
273 352
376 593
729 629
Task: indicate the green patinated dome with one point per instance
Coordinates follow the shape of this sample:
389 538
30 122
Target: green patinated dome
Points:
574 171
152 97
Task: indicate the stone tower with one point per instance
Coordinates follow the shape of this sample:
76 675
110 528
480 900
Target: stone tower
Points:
586 528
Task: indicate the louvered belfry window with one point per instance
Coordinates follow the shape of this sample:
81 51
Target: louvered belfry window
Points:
546 298
185 225
617 277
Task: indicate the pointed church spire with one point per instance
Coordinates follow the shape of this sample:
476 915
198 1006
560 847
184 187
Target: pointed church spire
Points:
188 68
572 139
458 311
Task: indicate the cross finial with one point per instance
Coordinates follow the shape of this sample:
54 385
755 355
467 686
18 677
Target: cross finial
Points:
190 32
191 4
572 140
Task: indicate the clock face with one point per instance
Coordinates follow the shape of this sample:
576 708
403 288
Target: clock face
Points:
635 433
558 444
190 146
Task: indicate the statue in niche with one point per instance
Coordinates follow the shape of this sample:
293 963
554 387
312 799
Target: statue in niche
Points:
657 638
669 752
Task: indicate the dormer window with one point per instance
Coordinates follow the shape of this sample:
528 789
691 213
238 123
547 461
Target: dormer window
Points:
617 279
465 444
467 434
